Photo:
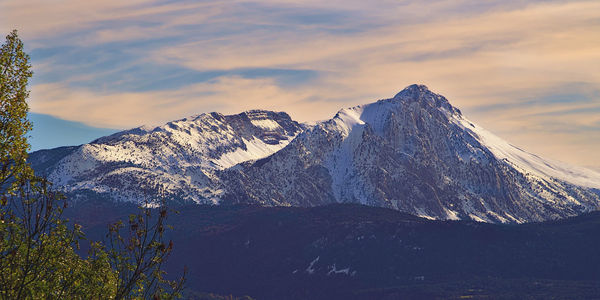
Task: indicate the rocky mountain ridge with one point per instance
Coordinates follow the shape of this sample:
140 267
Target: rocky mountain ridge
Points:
177 160
414 152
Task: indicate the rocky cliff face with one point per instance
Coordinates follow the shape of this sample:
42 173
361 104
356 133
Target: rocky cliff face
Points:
414 152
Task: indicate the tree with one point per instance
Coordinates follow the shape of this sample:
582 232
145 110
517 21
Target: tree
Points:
36 251
138 253
37 254
15 72
37 258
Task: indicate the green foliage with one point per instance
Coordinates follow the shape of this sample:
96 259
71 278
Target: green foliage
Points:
37 254
15 72
37 258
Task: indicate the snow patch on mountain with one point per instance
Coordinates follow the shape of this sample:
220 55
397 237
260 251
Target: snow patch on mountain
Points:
266 124
255 149
347 119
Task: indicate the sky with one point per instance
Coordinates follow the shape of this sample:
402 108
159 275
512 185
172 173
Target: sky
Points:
525 70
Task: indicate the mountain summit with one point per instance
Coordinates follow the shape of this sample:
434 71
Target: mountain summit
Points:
414 152
421 93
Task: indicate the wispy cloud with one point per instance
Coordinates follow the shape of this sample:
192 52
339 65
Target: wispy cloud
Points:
524 69
228 94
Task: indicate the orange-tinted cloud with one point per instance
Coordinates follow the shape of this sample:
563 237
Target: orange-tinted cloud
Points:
489 58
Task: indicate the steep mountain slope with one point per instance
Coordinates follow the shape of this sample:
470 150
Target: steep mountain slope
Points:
177 160
414 152
418 154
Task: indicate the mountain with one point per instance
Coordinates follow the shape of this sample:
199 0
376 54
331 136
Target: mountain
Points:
415 153
178 160
349 251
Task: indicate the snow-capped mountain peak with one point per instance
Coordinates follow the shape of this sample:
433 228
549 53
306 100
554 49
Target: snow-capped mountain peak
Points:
421 94
180 157
414 152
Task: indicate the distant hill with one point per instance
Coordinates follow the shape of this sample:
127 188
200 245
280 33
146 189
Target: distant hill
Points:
348 251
